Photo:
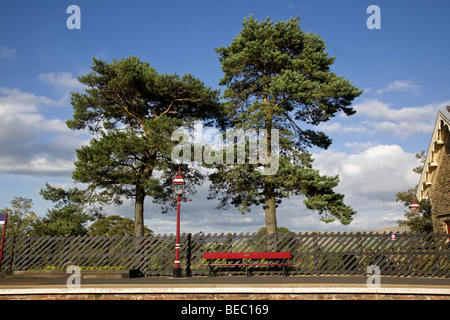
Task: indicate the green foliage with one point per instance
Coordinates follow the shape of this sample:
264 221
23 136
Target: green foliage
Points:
130 93
421 222
20 218
285 69
114 225
70 215
279 77
114 164
280 230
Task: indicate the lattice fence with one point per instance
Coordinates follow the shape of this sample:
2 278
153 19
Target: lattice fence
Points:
314 253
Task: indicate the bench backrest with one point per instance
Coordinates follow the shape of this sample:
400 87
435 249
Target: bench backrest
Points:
246 255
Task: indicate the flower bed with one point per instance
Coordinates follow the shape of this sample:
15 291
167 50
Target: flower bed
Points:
50 268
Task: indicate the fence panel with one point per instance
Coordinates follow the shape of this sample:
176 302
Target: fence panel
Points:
313 253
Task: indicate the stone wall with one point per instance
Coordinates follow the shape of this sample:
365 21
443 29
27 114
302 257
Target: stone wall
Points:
440 189
229 296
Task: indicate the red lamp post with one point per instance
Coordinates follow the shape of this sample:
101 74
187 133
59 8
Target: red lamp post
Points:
178 188
414 208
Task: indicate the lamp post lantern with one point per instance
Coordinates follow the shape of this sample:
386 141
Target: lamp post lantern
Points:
178 183
414 208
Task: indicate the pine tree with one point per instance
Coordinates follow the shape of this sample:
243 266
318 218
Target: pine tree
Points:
279 77
70 215
132 110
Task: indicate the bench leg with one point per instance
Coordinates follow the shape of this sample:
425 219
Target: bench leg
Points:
284 269
246 268
210 271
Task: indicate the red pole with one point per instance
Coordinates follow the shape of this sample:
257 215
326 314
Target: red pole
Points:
3 239
177 266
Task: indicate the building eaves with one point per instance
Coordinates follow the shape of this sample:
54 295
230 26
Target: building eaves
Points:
430 164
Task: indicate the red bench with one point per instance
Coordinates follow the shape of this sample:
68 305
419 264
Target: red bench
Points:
244 259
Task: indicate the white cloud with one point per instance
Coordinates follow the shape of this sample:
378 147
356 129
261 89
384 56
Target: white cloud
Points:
37 165
376 173
404 86
29 142
14 101
375 116
377 110
403 122
337 127
62 80
369 180
7 53
360 146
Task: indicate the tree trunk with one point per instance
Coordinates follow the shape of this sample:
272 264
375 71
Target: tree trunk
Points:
271 213
269 188
139 211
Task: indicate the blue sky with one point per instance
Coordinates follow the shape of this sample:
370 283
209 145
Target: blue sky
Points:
403 69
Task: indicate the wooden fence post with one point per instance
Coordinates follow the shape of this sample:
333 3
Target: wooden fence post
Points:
188 255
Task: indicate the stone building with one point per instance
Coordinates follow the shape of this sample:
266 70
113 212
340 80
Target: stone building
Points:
434 182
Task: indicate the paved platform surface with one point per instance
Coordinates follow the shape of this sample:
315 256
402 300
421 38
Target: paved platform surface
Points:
6 282
255 284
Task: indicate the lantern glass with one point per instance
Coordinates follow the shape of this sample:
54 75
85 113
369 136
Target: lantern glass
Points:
178 188
414 208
